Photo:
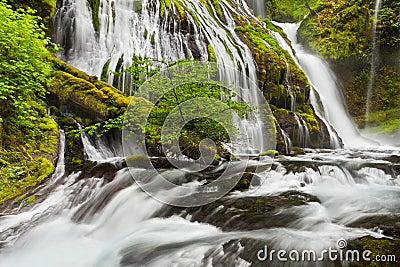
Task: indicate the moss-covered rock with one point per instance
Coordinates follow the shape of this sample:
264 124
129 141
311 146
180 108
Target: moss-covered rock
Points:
381 247
246 213
20 176
97 98
138 161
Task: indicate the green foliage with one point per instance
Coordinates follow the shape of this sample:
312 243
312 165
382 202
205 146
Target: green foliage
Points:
389 23
384 108
291 10
339 28
189 80
29 137
44 8
94 6
24 69
16 178
141 69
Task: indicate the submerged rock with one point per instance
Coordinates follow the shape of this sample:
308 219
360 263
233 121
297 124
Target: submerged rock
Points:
246 213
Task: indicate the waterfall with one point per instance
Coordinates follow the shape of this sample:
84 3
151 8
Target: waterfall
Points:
324 82
374 61
303 134
287 141
126 30
304 203
259 7
289 85
319 109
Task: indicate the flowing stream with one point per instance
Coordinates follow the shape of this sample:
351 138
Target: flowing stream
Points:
92 222
90 218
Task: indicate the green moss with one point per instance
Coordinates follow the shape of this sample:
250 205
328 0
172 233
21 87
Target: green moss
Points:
20 176
77 161
311 121
179 8
31 200
138 161
21 198
339 28
260 37
271 61
297 151
291 10
211 53
270 153
217 7
70 84
244 182
377 247
94 6
384 110
162 8
137 6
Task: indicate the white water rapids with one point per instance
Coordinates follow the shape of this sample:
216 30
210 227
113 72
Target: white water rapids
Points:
93 223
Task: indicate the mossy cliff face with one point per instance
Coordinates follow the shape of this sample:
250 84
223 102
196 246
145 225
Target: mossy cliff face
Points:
272 61
341 31
277 72
281 79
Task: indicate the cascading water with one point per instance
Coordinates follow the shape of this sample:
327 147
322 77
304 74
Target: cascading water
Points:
319 109
259 7
374 60
323 80
127 29
303 134
91 223
288 142
289 86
